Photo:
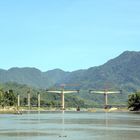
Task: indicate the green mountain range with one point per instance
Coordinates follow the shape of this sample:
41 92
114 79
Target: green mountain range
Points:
122 72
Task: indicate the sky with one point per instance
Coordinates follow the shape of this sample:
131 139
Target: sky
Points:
66 34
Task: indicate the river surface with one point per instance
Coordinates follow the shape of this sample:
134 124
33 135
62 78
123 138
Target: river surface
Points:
70 126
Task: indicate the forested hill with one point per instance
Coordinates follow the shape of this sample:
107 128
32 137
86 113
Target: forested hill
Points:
121 72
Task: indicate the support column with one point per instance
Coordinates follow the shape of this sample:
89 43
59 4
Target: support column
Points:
62 92
105 92
18 101
38 100
106 101
29 100
63 101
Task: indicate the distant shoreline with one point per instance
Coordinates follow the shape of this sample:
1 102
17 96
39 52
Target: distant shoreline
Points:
14 110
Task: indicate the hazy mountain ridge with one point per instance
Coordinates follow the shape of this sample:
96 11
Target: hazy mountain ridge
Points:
121 72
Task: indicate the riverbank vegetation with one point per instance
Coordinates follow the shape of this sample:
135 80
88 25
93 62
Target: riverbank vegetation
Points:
134 101
9 93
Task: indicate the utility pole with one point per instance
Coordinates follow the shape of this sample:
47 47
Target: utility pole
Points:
62 92
105 92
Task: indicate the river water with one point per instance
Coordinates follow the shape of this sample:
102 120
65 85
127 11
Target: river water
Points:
70 126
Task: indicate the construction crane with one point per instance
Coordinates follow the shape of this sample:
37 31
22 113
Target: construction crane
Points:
105 92
62 92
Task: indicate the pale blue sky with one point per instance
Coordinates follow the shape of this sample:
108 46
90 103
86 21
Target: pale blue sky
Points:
66 34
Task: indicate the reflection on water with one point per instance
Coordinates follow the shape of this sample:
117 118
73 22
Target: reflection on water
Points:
70 126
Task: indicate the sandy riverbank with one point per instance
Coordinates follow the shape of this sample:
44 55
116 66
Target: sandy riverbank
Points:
15 110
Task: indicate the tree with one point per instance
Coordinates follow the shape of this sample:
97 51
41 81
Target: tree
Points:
134 101
1 97
34 100
8 98
24 101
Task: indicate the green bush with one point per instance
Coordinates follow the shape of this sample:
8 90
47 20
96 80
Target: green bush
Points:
134 101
